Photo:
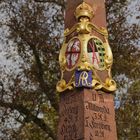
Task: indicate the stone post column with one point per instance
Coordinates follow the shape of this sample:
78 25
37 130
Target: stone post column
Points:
86 86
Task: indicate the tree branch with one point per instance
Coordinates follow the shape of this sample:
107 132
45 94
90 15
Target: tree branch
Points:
51 97
31 117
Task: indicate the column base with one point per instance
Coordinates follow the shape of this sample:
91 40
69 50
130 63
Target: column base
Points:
86 114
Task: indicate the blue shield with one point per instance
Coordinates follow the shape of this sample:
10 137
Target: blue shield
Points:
83 79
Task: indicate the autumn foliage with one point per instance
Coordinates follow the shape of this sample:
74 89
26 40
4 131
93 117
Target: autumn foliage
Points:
31 36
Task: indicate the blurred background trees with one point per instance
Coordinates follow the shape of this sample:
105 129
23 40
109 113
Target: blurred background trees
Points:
124 31
31 37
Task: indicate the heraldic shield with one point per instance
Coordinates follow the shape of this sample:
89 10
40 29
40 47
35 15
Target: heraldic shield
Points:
86 57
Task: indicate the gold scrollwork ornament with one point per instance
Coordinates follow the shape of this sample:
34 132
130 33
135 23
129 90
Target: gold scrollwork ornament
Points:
78 53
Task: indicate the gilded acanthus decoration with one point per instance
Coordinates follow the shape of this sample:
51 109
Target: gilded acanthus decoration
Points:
86 59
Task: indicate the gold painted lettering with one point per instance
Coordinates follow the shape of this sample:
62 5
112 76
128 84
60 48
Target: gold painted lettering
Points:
83 78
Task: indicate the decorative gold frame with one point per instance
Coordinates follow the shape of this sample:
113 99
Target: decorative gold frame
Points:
84 29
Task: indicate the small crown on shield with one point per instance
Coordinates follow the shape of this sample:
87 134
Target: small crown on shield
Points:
84 10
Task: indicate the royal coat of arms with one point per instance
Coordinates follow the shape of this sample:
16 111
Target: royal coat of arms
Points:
86 57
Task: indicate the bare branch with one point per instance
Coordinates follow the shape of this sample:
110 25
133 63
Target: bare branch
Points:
30 117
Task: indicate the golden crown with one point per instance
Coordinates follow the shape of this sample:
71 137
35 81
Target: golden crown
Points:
84 10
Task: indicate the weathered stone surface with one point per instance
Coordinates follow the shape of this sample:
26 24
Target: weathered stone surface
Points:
71 116
87 115
99 116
